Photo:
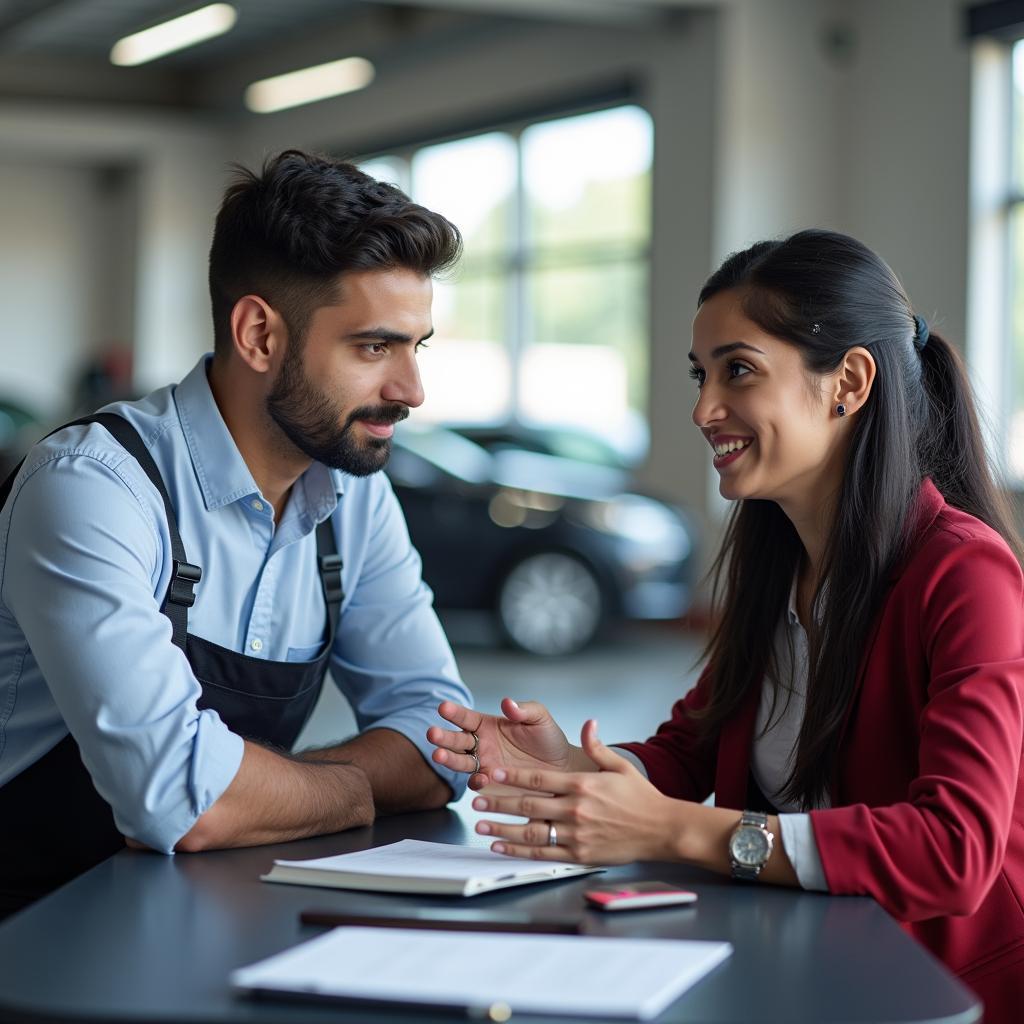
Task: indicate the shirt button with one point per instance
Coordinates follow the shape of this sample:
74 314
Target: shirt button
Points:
257 644
258 507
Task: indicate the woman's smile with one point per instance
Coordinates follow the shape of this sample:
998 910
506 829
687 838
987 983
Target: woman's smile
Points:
728 448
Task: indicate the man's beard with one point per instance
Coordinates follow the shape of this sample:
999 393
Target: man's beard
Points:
309 420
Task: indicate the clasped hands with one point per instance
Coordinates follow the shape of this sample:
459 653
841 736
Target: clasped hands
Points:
603 810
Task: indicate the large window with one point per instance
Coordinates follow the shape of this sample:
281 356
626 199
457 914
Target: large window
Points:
546 318
1014 399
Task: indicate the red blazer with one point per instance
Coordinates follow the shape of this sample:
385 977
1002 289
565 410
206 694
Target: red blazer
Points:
928 808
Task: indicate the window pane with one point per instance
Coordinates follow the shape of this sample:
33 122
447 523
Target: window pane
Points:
392 169
1015 458
1018 116
466 370
587 178
471 182
587 358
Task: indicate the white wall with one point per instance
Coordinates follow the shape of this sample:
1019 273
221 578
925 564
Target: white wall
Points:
130 251
51 282
904 149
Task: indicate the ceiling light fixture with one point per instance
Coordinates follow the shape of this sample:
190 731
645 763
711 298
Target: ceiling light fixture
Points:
176 34
308 85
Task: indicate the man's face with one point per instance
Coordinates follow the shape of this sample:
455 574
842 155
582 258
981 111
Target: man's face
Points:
340 391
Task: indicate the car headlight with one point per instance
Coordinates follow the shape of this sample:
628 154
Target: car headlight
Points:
644 524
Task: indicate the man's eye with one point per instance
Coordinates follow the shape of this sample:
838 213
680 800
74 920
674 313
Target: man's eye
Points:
421 345
377 348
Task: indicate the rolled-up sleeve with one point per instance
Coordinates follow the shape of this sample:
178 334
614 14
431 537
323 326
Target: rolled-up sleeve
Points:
84 562
391 658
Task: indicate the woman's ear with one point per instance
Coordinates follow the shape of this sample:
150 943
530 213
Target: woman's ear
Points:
854 379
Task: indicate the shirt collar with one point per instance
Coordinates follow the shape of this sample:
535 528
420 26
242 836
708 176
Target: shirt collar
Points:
222 473
791 615
794 619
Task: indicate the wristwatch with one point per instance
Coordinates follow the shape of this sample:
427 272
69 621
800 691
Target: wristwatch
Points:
750 845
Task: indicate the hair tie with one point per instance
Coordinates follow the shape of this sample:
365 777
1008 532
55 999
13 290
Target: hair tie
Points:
922 333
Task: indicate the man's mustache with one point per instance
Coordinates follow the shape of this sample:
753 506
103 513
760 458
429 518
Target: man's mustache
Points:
384 415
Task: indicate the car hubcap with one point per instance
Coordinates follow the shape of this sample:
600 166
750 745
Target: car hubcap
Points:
550 604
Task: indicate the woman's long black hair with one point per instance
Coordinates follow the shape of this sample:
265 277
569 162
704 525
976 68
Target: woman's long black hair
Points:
826 293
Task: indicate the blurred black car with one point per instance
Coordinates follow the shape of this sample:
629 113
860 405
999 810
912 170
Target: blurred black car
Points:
549 439
553 546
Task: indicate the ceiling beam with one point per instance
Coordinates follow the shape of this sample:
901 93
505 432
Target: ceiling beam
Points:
620 12
23 13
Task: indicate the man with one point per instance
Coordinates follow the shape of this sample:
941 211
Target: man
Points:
128 713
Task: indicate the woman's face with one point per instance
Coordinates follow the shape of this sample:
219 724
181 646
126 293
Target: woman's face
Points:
771 424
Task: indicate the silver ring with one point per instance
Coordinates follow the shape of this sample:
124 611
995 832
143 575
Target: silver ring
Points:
476 745
552 834
476 766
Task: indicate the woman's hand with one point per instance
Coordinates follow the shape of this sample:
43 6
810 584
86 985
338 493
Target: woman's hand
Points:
524 737
613 817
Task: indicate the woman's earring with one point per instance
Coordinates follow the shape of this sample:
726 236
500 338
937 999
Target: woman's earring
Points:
840 409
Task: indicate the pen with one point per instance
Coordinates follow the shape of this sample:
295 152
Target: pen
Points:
497 1012
439 921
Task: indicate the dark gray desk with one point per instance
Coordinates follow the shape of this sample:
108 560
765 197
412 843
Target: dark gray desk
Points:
148 938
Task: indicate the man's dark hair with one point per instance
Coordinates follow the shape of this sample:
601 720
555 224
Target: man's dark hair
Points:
287 233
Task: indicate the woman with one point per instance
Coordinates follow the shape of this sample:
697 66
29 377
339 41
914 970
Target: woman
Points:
863 700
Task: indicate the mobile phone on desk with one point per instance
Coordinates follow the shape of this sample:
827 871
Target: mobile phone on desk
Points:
445 919
637 896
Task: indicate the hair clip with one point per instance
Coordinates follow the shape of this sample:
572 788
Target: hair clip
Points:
815 328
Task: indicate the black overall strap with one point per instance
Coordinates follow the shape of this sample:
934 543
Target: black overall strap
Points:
329 563
180 595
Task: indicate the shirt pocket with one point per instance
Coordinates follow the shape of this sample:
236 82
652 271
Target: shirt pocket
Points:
307 653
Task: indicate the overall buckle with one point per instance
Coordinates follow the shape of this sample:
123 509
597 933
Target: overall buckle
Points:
184 577
330 574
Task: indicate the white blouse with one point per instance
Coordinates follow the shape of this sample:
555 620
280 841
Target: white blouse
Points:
774 747
775 735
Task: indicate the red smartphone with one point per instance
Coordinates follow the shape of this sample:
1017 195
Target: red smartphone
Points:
637 896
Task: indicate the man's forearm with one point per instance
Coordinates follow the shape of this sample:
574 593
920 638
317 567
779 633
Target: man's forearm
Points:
275 798
400 778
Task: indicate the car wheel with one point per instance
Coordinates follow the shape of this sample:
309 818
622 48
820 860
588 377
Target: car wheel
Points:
550 604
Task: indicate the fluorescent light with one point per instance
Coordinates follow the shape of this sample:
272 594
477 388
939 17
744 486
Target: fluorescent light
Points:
189 29
309 84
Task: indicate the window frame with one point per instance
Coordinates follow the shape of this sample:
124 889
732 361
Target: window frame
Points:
522 255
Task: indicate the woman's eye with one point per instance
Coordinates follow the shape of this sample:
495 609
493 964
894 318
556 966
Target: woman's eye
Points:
697 374
738 370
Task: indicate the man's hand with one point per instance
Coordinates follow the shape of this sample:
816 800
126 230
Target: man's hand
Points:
525 736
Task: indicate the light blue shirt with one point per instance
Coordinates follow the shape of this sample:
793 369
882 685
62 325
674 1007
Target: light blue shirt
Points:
85 560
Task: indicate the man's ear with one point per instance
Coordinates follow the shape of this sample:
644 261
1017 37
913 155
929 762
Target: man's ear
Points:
258 333
854 379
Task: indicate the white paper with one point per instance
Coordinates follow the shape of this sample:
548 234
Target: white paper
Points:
414 858
575 975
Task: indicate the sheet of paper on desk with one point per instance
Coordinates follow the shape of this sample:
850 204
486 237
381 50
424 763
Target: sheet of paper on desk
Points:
415 866
575 975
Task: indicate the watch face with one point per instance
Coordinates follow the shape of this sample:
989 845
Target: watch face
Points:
749 846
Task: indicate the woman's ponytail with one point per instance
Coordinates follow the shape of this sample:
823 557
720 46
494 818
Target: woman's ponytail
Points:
951 449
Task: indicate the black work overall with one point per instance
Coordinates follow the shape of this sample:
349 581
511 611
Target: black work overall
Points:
53 823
